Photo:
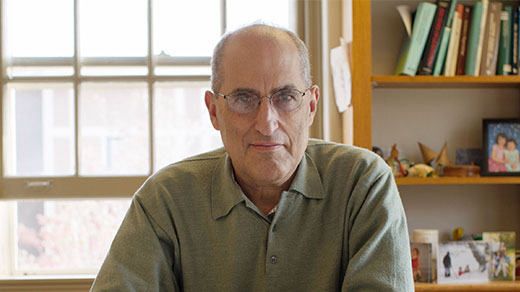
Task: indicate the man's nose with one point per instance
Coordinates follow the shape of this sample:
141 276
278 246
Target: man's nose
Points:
266 117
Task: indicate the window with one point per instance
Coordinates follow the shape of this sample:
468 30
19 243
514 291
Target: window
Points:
99 94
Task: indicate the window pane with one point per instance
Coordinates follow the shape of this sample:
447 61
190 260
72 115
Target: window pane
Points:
39 130
240 12
114 136
113 70
186 28
183 70
182 126
37 28
25 71
65 236
113 28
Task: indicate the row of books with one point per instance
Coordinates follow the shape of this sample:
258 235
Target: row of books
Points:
448 38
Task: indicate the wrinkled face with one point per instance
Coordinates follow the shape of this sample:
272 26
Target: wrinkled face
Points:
265 145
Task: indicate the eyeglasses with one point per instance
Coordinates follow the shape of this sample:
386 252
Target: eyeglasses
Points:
245 101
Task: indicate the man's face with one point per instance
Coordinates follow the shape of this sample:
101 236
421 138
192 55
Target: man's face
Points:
265 145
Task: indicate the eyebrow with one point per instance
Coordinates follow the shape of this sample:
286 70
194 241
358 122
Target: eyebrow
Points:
274 90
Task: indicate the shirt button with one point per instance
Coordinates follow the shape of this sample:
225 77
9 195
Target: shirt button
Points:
273 260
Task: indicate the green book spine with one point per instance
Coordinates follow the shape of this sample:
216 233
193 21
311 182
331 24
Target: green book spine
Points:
514 45
411 56
504 47
445 40
439 63
473 39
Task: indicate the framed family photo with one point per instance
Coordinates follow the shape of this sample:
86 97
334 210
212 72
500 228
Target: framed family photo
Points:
501 149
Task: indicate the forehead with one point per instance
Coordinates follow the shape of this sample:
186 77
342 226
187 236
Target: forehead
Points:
261 61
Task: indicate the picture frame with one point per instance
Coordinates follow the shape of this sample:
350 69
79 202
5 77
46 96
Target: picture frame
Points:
501 139
422 262
463 262
502 249
517 265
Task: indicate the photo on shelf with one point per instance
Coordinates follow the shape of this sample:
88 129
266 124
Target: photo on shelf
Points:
422 261
502 263
517 264
501 150
463 262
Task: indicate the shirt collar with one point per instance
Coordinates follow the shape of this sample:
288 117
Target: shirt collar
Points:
226 194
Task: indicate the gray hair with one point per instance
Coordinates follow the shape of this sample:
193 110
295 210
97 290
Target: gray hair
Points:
218 54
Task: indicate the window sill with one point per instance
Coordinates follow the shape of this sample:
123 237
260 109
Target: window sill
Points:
46 283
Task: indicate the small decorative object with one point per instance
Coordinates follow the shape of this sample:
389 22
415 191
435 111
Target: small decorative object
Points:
378 151
458 234
427 154
502 245
461 170
421 170
468 157
443 155
399 166
421 261
501 149
436 160
462 262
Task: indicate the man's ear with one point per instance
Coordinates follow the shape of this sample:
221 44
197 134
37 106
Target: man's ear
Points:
313 102
212 108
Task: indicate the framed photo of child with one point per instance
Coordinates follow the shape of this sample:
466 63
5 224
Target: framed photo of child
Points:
501 147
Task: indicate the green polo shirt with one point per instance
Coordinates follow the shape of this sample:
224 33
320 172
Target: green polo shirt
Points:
339 227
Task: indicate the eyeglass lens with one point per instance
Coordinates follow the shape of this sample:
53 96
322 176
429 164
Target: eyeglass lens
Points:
284 100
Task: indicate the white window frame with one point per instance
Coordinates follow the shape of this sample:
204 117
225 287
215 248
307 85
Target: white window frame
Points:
77 186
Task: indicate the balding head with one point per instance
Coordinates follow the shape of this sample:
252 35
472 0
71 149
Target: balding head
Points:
252 32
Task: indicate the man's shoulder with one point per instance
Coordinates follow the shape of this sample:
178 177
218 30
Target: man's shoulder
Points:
343 159
330 151
191 169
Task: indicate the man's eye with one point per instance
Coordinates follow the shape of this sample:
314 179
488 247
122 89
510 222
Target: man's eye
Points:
286 97
243 98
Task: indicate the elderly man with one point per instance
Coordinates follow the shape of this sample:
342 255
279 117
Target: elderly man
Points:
272 210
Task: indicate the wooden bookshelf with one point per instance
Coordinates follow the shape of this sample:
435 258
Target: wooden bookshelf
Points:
375 48
489 287
391 81
457 180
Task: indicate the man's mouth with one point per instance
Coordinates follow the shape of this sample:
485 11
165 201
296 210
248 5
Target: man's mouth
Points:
266 146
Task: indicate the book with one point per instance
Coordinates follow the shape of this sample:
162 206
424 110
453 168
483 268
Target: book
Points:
488 66
502 246
463 46
483 24
413 47
463 262
445 39
453 47
431 49
473 40
504 46
514 45
422 261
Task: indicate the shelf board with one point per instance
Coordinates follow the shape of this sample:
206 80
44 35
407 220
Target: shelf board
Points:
457 180
391 81
492 287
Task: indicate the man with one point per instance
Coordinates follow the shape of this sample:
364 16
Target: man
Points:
271 211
